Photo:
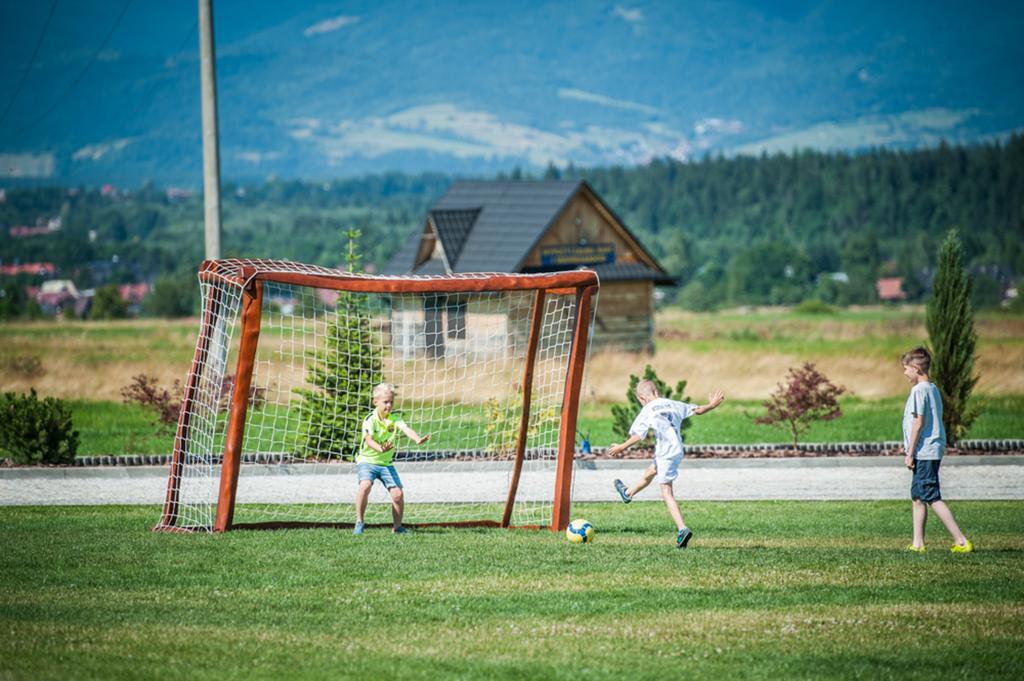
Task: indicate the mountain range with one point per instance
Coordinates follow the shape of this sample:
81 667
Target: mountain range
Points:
107 91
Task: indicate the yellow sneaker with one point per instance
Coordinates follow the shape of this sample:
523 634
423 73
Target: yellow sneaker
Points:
966 548
915 549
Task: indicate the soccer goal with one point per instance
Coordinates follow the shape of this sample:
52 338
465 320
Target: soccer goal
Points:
489 365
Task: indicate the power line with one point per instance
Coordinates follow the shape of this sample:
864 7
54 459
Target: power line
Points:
81 74
31 63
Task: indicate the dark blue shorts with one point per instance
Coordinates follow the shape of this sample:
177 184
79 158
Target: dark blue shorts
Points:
925 485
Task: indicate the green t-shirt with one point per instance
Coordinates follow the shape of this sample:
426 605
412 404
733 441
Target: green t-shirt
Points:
381 431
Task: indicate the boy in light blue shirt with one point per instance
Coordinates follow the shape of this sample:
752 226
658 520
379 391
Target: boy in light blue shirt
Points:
924 444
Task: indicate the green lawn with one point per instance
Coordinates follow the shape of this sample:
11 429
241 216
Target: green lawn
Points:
110 428
862 421
766 590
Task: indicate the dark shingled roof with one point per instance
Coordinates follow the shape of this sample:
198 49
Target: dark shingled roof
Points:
633 271
453 226
488 226
512 216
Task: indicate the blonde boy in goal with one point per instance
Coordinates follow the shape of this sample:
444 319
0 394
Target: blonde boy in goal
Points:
665 417
376 453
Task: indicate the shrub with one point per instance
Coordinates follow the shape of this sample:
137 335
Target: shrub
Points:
504 418
172 297
146 392
107 304
806 396
34 431
23 366
623 416
257 394
813 306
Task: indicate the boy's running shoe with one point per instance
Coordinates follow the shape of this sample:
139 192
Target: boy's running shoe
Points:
358 529
968 547
916 549
623 492
401 530
683 538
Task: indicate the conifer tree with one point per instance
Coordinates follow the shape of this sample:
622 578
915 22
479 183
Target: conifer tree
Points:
344 373
950 323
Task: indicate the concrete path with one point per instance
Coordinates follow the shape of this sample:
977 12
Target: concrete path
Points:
832 478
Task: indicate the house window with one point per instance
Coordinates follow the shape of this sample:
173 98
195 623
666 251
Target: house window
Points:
457 319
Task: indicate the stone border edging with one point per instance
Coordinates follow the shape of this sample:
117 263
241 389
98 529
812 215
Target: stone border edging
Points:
700 451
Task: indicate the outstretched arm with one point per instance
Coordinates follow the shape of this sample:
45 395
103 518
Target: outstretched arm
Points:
714 399
412 435
615 450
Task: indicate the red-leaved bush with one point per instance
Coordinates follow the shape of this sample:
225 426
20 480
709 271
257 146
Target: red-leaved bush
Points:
806 396
162 403
257 394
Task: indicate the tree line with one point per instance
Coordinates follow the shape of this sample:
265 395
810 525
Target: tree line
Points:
773 229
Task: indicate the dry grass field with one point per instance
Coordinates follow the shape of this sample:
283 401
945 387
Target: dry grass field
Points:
744 353
748 353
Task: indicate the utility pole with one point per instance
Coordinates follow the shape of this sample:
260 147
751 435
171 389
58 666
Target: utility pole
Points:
211 141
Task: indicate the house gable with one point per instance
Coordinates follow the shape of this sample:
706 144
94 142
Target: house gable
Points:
583 223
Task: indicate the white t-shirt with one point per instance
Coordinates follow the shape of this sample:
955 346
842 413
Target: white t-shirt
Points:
665 417
925 400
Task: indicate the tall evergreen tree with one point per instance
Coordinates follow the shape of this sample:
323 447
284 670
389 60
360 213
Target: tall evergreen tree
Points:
344 373
950 323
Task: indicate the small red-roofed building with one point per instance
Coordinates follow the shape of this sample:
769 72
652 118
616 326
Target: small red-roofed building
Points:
34 268
54 295
890 289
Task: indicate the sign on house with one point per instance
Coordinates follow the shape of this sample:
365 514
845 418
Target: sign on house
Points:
579 254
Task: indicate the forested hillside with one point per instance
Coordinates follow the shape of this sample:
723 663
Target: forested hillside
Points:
761 230
767 229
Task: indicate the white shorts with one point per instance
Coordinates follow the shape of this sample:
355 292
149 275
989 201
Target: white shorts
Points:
667 468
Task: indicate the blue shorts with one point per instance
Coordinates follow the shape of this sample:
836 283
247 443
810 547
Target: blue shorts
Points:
925 484
386 474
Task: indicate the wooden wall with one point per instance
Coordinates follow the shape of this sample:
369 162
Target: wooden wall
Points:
625 310
625 317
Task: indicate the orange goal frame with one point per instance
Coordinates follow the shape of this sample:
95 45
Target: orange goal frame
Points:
250 276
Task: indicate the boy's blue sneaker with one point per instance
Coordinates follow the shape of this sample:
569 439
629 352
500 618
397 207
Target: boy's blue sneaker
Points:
623 492
683 538
358 529
401 530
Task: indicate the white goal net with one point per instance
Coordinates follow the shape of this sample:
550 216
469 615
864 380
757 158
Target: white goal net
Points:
489 366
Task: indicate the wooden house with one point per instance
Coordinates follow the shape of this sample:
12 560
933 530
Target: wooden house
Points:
523 227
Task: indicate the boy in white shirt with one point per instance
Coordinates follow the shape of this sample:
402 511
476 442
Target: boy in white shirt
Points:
665 417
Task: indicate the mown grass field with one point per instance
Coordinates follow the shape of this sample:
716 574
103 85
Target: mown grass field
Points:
767 590
112 428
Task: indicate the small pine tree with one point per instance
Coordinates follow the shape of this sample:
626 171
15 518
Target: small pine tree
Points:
950 322
623 416
344 373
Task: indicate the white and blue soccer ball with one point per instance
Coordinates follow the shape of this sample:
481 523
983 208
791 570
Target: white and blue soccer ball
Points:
579 531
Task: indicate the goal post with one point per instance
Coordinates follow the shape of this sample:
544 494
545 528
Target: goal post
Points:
489 365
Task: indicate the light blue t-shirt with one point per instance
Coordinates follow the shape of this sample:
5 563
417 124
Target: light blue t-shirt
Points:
925 400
